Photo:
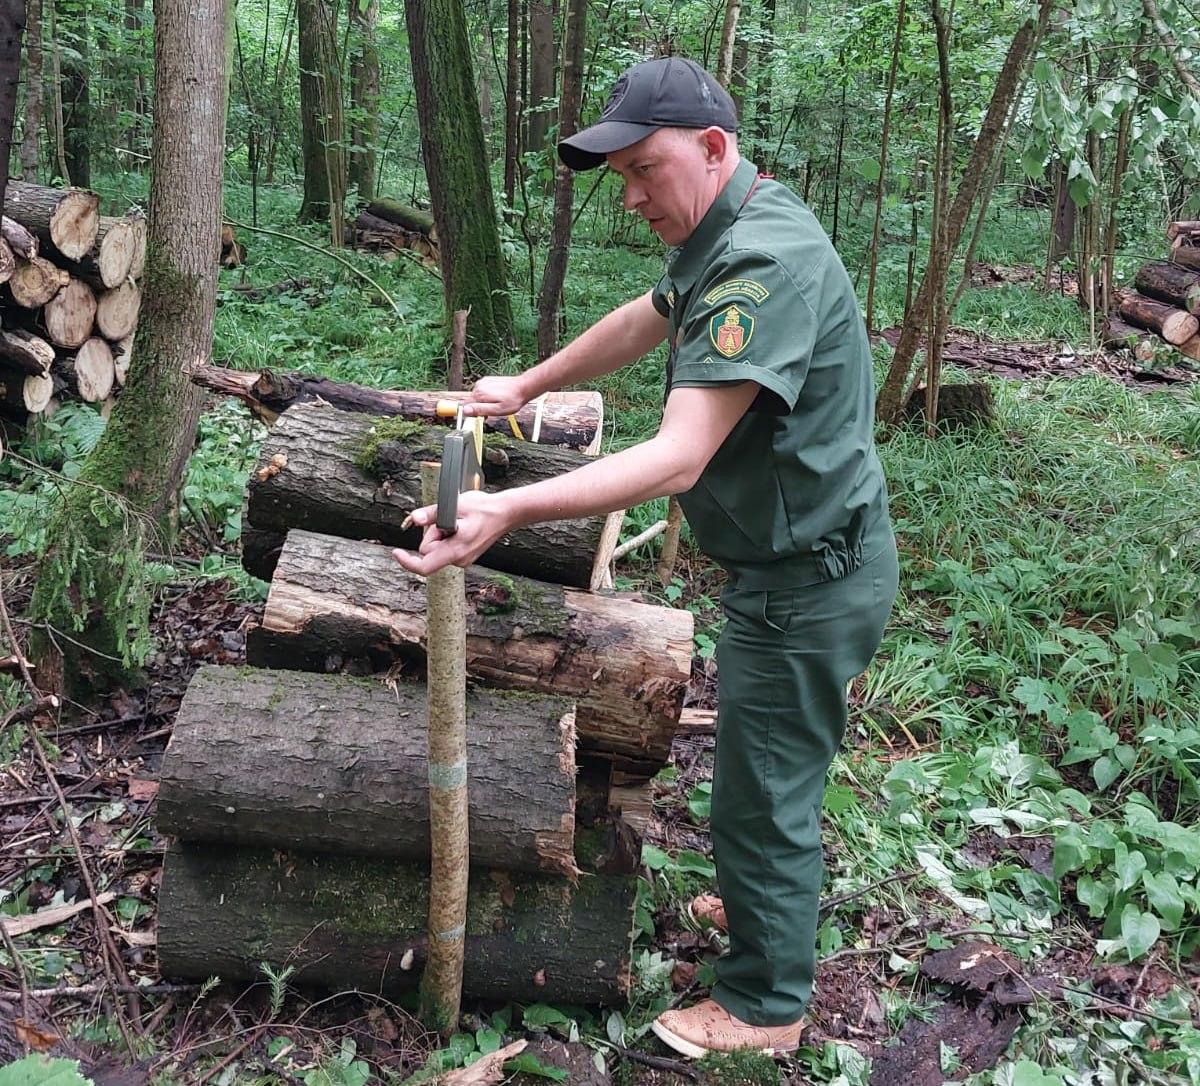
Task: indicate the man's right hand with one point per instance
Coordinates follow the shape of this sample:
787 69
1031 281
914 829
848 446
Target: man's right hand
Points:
497 396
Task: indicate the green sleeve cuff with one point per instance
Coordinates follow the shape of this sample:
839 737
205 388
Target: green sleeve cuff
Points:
708 374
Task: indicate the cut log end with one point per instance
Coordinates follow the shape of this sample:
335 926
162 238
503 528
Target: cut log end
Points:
117 310
90 373
75 222
36 281
71 314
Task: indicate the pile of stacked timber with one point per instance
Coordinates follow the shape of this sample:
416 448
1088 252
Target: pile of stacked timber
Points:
297 786
1165 301
386 226
70 300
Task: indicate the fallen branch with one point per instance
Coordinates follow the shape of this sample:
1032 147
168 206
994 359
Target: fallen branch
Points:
51 917
655 529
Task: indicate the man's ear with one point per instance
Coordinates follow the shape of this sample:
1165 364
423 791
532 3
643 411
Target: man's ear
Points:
716 146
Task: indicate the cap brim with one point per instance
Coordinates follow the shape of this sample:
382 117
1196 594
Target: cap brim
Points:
587 149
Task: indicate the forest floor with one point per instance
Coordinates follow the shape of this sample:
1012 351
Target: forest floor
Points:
1010 830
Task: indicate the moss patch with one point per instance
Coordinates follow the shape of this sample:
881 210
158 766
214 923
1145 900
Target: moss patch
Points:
382 432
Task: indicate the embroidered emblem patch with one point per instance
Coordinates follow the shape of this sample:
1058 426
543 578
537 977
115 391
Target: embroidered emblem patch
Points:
746 288
730 331
671 298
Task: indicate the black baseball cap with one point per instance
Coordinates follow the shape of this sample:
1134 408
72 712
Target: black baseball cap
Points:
671 92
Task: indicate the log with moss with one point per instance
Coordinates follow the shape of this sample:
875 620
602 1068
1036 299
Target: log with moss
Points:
356 476
1170 283
572 419
336 603
345 922
400 214
338 764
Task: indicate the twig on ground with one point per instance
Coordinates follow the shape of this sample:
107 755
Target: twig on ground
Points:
102 989
19 969
659 1063
841 899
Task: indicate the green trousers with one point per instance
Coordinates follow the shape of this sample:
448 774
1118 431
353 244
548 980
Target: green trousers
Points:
784 660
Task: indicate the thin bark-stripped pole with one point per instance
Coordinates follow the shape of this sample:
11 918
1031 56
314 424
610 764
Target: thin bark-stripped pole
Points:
441 983
883 150
458 349
1171 46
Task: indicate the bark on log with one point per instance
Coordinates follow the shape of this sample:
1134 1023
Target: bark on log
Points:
290 760
1186 256
1124 336
68 219
8 262
20 241
353 922
1191 348
117 310
1170 283
70 315
89 373
1174 325
36 281
108 262
336 603
572 419
410 218
28 352
316 483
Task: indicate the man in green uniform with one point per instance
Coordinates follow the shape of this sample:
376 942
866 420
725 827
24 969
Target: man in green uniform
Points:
767 438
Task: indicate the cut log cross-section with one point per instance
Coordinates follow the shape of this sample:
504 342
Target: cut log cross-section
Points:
70 315
1170 283
23 393
573 419
289 760
310 477
107 264
1124 336
1174 325
26 351
335 603
138 262
89 373
36 281
117 310
346 922
67 219
8 263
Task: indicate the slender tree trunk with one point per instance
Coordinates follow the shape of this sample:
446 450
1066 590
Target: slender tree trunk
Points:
574 33
33 91
881 181
281 62
56 112
485 85
891 398
762 97
134 15
12 27
76 92
512 105
1120 165
738 75
365 89
733 8
90 583
541 72
939 253
321 117
473 273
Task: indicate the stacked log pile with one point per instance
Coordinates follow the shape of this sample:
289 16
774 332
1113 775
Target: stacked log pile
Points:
297 786
1164 306
387 226
69 299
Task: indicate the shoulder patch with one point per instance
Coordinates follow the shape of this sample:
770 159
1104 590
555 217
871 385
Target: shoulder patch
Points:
730 331
748 288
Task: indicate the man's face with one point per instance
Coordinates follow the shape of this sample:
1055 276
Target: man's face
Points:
671 179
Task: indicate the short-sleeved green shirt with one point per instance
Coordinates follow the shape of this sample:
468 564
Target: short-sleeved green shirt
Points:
795 494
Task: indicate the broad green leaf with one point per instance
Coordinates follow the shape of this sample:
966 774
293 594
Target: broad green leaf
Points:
1139 930
542 1014
1105 770
527 1063
37 1070
1162 891
1093 894
1129 866
487 1040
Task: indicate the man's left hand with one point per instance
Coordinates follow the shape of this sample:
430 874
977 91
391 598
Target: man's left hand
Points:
482 519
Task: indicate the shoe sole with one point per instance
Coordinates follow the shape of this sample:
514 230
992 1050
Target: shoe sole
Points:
694 1051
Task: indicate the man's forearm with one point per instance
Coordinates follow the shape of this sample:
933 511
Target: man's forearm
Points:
656 467
615 340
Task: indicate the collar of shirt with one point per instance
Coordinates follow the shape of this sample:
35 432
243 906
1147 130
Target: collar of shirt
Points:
686 263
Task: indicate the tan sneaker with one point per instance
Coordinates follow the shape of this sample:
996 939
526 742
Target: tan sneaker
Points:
708 1027
708 911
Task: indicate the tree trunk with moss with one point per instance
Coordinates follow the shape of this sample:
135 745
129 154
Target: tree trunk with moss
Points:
364 15
460 187
90 598
321 117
